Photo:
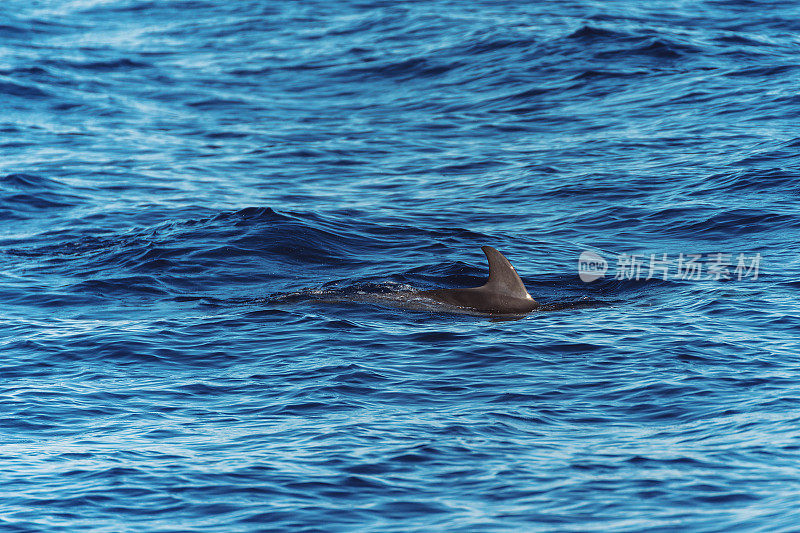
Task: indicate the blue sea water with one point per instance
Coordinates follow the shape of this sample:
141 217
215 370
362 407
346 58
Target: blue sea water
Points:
197 197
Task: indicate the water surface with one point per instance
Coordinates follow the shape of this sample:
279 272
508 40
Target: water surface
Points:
180 181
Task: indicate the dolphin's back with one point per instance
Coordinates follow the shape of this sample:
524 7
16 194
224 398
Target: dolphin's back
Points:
503 292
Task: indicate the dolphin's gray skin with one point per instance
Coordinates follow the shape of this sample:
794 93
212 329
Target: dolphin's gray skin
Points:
503 294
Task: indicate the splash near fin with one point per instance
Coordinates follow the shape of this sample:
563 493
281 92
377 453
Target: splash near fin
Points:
503 278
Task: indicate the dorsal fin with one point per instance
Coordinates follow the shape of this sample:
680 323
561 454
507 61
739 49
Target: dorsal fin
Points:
502 276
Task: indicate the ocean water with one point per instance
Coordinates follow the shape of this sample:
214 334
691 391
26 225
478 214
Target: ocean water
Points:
206 208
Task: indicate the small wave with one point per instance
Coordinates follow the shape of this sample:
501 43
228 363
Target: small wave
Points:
595 33
739 39
737 222
25 71
248 247
25 91
7 30
497 43
28 195
27 181
130 6
103 66
42 201
749 180
217 103
711 223
412 67
651 47
764 72
608 74
125 286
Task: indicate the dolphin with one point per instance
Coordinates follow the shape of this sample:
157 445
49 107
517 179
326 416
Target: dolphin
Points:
502 297
502 294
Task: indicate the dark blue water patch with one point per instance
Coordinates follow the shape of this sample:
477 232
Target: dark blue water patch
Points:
774 179
29 71
758 72
594 34
137 7
404 69
497 42
111 65
7 30
10 88
737 222
217 103
664 49
113 288
27 181
20 27
604 45
24 196
605 74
